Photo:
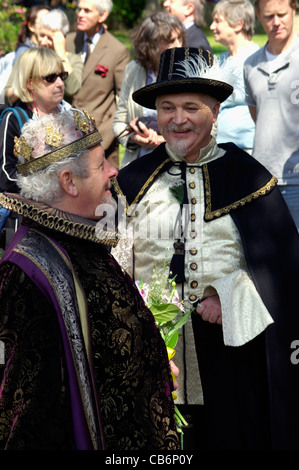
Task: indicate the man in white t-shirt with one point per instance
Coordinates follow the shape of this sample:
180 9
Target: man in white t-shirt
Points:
272 94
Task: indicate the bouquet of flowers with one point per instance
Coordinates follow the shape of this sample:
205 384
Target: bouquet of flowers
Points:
170 315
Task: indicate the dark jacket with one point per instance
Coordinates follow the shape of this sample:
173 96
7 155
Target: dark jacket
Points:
195 37
9 129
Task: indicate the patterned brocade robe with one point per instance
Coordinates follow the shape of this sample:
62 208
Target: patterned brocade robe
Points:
103 373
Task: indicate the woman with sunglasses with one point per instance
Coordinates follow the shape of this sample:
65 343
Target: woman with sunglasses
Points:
39 87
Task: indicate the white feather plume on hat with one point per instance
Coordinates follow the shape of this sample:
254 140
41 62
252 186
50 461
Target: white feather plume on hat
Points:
221 70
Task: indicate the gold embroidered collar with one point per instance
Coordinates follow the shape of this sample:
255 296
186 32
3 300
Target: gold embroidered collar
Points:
57 220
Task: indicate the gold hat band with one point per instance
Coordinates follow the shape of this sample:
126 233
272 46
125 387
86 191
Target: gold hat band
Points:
43 161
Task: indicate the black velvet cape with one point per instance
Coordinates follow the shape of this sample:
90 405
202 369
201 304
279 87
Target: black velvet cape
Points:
250 392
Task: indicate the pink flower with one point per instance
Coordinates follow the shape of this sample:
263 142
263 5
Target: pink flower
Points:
101 70
143 290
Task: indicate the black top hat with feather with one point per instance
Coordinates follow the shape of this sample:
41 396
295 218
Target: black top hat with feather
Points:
186 70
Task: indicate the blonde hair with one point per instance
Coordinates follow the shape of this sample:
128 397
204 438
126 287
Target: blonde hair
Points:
33 64
235 10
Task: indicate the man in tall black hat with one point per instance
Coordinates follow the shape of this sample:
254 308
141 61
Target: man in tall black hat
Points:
234 249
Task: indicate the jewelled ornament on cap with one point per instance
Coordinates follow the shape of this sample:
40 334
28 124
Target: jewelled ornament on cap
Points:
89 136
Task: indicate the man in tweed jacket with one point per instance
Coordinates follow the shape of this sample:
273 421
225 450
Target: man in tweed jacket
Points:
103 69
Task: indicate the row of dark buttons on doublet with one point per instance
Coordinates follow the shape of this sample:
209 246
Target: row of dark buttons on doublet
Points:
193 297
193 266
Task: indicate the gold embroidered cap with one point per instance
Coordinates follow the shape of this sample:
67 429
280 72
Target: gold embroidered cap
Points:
84 123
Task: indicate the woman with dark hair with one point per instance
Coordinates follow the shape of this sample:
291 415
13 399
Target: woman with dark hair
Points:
52 30
27 36
156 33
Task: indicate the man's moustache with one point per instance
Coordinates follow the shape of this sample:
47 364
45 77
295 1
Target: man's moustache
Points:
175 128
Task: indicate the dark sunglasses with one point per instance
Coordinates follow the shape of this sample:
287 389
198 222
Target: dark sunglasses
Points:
52 77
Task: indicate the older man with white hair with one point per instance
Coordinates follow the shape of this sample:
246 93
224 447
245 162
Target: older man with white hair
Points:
85 366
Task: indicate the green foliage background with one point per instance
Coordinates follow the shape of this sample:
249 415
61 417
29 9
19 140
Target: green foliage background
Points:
11 17
126 13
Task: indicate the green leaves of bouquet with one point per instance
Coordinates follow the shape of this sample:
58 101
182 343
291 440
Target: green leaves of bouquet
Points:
169 325
170 315
163 300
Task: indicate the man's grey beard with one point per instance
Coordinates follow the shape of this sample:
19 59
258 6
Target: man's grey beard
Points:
178 147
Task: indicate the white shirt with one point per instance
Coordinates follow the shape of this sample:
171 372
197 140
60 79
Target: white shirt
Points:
93 42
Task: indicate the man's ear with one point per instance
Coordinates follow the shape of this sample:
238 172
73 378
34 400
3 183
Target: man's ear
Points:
257 14
215 111
189 10
31 27
68 183
103 17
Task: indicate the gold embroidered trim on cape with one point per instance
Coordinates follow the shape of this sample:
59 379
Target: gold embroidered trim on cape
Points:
146 184
84 230
116 188
81 300
209 214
